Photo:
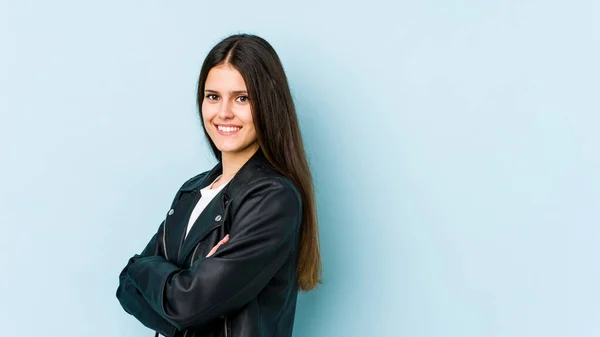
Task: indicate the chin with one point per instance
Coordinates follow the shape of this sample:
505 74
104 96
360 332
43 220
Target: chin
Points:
230 148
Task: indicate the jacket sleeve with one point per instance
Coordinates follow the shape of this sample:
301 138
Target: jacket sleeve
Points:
263 235
132 300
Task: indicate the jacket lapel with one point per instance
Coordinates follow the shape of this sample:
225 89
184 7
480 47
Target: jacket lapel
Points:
176 223
178 216
211 217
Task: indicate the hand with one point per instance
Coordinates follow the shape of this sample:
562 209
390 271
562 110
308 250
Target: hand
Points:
222 242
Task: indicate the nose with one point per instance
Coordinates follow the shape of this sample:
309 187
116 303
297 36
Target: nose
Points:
225 111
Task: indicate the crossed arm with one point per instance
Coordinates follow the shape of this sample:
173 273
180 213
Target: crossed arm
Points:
167 298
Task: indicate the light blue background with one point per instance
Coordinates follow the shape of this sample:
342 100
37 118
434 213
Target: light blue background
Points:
454 144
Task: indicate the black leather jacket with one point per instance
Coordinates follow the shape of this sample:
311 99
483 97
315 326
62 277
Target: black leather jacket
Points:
249 287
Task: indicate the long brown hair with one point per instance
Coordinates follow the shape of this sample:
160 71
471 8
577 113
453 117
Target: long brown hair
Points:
277 129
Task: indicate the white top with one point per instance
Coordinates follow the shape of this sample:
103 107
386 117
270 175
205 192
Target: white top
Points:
208 194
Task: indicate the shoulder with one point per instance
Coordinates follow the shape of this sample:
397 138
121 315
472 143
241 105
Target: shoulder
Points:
268 178
268 185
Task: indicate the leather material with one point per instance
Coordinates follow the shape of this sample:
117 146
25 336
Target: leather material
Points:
248 287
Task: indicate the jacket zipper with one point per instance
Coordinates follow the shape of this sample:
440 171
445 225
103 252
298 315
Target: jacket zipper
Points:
164 239
194 254
226 334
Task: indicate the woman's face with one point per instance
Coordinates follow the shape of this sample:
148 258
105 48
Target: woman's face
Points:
226 111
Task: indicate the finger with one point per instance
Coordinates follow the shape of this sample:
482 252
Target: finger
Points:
223 241
214 250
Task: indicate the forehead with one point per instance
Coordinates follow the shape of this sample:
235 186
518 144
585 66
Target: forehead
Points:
224 78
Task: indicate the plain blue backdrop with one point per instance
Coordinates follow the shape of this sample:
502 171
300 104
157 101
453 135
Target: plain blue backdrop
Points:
454 146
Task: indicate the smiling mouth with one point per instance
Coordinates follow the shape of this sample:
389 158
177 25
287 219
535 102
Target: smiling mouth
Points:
228 129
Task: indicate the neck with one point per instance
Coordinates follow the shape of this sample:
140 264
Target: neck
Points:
233 162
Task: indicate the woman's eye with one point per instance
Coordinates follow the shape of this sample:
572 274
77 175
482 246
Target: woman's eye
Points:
242 99
212 97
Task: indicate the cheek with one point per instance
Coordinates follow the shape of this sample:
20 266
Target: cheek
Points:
245 115
208 112
249 122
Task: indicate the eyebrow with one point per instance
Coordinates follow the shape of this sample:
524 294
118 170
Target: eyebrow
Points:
234 92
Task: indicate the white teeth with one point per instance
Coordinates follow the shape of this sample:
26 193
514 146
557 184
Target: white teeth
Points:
228 128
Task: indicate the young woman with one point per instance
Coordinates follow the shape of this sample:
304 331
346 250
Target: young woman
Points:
240 240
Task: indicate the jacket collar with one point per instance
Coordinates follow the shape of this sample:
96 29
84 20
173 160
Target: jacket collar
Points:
258 161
